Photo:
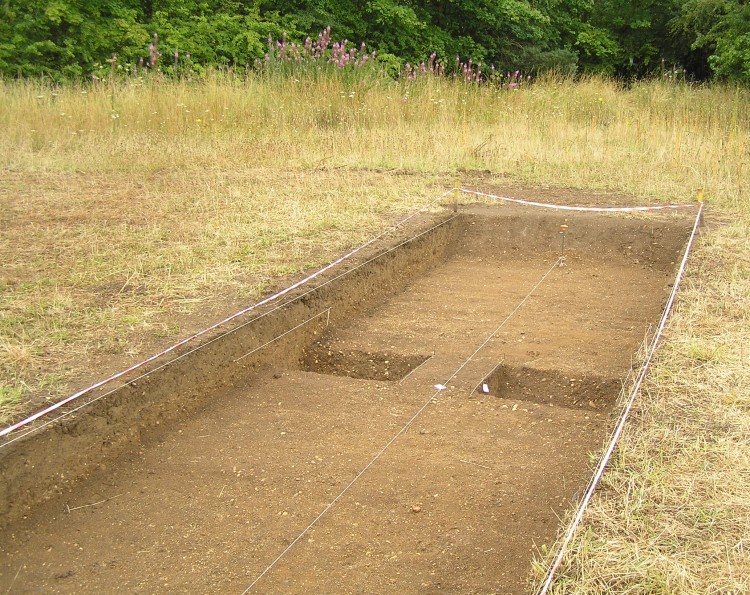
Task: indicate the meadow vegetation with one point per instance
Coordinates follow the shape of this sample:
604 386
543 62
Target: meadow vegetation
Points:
80 39
133 211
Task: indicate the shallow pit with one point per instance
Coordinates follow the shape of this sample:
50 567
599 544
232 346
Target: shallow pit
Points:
552 387
365 365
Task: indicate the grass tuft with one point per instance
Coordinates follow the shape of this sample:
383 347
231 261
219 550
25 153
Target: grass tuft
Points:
10 400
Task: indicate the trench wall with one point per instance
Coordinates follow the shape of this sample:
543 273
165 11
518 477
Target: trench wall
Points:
53 460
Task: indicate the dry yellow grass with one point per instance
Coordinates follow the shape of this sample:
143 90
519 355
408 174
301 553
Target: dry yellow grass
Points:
129 212
654 140
100 268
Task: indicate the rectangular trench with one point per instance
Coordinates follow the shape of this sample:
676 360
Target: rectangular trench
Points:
203 473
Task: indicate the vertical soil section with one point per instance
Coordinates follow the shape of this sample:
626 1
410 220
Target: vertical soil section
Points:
200 475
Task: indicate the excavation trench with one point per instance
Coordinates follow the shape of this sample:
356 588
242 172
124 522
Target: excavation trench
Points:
196 477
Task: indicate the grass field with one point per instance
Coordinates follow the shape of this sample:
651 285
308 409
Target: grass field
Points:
136 212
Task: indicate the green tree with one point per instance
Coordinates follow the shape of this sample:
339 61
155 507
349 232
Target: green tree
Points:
640 28
719 32
491 31
591 47
345 17
212 32
63 38
497 31
73 38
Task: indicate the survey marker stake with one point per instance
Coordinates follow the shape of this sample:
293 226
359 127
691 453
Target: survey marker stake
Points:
563 231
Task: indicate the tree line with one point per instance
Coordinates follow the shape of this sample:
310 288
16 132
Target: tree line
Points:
697 39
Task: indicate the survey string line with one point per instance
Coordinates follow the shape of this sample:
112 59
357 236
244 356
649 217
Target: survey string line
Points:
191 338
504 322
342 493
416 368
604 460
209 342
152 358
487 375
582 209
439 389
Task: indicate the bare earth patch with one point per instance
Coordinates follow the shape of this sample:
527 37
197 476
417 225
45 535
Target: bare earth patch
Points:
120 237
673 509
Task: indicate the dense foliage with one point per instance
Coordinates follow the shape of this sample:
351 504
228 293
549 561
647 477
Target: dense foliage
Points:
77 38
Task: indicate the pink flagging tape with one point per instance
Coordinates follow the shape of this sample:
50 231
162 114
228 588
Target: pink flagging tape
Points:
572 208
80 393
549 577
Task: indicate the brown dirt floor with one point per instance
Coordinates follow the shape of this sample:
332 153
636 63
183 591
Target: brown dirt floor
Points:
456 504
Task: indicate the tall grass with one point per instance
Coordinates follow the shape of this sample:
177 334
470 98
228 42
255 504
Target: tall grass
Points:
126 202
657 139
672 512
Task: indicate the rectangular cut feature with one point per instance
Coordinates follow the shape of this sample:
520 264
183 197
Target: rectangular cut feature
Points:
223 462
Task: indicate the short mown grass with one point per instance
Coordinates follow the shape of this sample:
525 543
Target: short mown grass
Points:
137 212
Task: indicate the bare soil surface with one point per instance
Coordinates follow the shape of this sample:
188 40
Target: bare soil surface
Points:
421 489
